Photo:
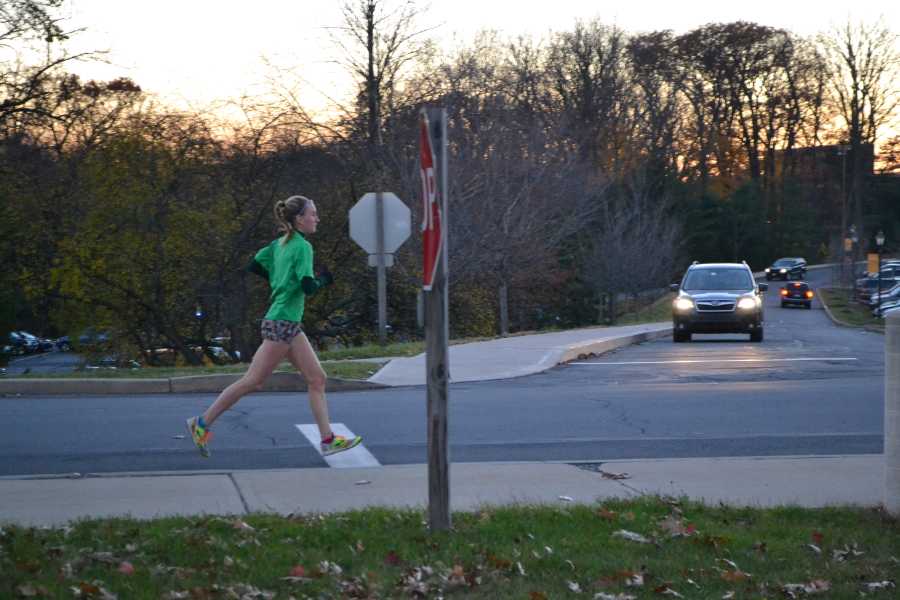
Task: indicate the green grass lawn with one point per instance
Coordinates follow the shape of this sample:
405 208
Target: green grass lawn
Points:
848 311
659 310
533 553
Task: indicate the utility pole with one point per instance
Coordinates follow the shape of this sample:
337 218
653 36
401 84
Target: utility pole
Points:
842 152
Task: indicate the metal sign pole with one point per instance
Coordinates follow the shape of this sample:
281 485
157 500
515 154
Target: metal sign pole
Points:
436 342
382 275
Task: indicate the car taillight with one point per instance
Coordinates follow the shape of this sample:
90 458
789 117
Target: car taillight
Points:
809 294
784 292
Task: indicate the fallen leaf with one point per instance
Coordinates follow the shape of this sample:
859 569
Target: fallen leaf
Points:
27 590
728 595
537 596
603 596
520 568
330 567
874 586
392 559
567 498
297 571
498 563
846 552
126 568
665 590
604 513
631 536
816 586
548 549
241 525
675 527
814 548
818 537
457 575
573 586
735 576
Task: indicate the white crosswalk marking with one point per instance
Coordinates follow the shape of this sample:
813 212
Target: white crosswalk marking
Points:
355 457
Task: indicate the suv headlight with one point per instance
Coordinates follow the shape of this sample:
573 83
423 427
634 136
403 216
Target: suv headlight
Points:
768 270
746 303
682 303
782 271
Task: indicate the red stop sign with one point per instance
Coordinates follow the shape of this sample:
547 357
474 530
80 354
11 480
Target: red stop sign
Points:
431 208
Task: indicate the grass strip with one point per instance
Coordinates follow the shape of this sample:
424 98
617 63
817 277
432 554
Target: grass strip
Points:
659 310
848 311
644 548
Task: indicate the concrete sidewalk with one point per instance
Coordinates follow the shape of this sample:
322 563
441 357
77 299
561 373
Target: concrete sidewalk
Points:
803 481
519 355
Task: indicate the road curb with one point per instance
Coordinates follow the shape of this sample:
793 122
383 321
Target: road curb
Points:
591 349
208 384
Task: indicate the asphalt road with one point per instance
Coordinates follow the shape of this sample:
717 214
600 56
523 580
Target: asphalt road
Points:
44 362
809 388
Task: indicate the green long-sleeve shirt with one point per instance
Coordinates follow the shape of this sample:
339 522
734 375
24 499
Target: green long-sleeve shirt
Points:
285 266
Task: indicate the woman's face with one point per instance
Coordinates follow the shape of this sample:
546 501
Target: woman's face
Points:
307 222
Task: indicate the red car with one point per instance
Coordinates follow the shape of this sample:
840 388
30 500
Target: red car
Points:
796 293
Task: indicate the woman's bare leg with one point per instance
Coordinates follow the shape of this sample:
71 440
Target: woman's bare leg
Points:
304 359
264 362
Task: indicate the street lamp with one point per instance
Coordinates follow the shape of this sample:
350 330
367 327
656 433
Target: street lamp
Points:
879 240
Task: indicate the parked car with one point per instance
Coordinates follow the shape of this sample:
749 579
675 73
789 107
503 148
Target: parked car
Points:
886 295
868 285
718 298
797 293
16 344
31 342
888 270
879 311
92 337
787 268
64 344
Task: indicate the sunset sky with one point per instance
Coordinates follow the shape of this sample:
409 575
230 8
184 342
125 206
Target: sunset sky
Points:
197 52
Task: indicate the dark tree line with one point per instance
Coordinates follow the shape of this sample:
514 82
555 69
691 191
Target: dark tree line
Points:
594 164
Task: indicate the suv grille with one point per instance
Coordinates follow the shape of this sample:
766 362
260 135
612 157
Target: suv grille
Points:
715 306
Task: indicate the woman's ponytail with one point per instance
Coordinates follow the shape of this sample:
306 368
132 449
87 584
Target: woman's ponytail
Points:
285 213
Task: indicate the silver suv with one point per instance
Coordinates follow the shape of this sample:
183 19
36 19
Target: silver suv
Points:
718 298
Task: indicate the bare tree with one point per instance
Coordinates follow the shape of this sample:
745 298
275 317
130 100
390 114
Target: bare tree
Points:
377 41
636 246
864 61
31 58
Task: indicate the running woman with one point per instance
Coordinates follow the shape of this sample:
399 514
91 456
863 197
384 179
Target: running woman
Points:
287 264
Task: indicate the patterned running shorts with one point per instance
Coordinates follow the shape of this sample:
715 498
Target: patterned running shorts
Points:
280 331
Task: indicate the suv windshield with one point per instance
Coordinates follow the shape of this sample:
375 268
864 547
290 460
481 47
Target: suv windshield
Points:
784 262
717 279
